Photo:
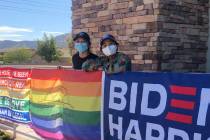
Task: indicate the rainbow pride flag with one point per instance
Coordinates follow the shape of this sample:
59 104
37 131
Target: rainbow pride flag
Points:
14 94
65 104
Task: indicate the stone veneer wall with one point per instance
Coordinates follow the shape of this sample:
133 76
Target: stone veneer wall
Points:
183 35
208 54
167 35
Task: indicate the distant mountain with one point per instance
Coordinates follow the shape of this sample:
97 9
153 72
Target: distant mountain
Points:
7 44
61 40
11 44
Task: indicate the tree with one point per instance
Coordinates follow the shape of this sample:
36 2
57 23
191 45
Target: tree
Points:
17 55
47 49
70 42
69 39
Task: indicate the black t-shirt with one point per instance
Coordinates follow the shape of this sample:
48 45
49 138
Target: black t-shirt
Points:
78 61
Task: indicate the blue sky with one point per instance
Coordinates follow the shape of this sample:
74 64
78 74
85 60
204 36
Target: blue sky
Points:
29 19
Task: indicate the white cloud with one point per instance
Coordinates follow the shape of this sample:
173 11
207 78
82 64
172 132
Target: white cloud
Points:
52 33
10 35
7 29
14 37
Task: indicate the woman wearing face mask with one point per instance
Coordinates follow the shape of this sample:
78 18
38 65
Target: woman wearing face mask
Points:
82 45
112 61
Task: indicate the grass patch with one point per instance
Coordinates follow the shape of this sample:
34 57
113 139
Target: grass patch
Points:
4 136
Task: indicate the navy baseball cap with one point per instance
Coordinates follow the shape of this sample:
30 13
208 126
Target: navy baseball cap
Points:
108 37
83 35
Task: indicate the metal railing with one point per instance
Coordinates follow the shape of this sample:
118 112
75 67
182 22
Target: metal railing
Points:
38 66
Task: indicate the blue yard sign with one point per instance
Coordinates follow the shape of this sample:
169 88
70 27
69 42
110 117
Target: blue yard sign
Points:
156 106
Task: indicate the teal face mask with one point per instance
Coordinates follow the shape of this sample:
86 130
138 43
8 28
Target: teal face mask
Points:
81 47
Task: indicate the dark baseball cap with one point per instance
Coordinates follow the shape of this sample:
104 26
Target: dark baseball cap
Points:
83 35
108 37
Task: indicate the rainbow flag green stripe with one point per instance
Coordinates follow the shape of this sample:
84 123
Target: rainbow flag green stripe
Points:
45 110
69 116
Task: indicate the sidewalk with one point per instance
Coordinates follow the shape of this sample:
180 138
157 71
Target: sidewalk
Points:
23 132
26 133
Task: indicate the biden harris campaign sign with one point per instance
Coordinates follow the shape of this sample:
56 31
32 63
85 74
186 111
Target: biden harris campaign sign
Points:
156 106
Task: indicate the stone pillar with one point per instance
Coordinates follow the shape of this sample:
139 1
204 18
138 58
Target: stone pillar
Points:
183 35
167 35
208 54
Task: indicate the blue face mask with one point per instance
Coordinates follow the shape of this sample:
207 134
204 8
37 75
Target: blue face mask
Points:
81 47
